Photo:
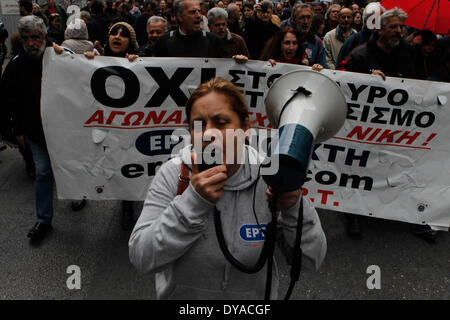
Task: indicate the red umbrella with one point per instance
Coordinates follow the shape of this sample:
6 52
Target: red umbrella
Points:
433 15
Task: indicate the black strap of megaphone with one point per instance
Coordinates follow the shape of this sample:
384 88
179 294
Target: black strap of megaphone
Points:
296 93
296 264
273 234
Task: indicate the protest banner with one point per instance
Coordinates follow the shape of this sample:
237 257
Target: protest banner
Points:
109 124
10 7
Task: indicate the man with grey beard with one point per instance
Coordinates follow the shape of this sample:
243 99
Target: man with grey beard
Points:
21 91
386 53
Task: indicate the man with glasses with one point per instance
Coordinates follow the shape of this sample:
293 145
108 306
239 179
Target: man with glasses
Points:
302 19
189 40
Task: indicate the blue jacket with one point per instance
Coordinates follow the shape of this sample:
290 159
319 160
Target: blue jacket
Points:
315 51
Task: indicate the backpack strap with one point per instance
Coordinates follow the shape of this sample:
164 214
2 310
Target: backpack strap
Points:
183 178
319 45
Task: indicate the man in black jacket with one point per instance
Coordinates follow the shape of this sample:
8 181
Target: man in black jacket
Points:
386 53
156 27
22 90
188 40
260 29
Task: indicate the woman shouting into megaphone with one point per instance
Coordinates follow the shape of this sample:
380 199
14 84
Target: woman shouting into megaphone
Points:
176 234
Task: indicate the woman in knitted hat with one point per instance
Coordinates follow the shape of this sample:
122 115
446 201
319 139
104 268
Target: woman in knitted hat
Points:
121 41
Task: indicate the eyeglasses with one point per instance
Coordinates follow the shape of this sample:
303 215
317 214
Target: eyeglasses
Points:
33 37
305 17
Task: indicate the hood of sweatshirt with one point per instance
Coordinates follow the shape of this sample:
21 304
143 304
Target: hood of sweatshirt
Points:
245 176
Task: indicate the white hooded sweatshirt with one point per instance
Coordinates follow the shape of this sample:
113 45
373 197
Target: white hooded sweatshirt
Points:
175 236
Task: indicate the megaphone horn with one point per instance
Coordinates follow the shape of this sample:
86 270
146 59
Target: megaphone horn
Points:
306 107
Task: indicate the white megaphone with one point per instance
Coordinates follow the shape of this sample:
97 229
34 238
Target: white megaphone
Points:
306 107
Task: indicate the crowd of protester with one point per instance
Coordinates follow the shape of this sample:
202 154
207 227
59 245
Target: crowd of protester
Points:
320 34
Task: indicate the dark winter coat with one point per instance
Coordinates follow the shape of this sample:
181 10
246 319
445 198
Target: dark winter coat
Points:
368 57
21 89
352 42
201 44
257 34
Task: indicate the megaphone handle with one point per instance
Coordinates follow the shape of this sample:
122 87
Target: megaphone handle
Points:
273 201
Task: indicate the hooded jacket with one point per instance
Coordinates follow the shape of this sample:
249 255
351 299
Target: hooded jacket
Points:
175 235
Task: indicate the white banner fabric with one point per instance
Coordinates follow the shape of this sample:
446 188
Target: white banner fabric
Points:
108 124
